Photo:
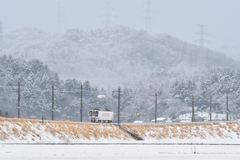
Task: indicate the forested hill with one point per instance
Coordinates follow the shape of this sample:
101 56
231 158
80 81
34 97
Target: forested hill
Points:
140 63
36 82
174 93
111 56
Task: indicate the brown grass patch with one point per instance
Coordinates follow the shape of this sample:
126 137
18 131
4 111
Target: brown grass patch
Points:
33 121
15 131
3 135
223 126
74 130
1 119
174 131
219 133
216 123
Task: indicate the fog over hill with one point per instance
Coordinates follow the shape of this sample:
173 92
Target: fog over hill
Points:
113 56
103 59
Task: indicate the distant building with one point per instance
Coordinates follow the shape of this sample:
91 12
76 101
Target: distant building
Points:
160 120
101 96
138 122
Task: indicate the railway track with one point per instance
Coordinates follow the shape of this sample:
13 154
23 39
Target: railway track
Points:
116 124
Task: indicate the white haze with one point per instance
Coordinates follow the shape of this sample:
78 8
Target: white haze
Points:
174 17
111 57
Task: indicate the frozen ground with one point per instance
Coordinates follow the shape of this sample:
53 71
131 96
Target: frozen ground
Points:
148 152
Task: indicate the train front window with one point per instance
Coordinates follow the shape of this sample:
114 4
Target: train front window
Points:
93 113
96 113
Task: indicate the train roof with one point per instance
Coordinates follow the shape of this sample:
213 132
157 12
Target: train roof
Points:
100 109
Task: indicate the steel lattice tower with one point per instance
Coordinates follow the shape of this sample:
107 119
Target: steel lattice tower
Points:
108 15
148 25
1 38
59 17
201 34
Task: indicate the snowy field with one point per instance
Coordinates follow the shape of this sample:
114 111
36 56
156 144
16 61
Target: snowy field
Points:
148 152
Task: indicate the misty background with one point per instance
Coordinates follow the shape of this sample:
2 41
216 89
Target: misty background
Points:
142 46
177 18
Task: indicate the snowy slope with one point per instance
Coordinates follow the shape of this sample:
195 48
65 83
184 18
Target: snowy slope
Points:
31 131
110 56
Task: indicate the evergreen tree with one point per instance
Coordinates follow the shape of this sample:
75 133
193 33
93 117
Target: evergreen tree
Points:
1 113
6 114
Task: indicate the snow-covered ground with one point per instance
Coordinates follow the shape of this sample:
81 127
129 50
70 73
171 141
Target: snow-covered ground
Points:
148 152
32 131
201 133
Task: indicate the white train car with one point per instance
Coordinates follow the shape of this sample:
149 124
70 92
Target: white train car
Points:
97 115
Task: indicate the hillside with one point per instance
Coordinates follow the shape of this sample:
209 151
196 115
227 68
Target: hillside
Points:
111 57
32 131
175 90
36 81
104 59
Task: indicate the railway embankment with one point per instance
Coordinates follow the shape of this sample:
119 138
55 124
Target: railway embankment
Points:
33 131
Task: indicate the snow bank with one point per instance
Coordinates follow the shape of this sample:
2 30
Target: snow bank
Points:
33 131
205 133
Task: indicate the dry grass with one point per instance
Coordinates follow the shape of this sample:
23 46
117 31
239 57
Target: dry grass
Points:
33 121
190 130
219 133
67 130
3 135
216 123
15 131
85 130
174 131
223 126
233 127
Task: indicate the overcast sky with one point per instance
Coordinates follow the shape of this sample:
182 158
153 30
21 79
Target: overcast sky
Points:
179 18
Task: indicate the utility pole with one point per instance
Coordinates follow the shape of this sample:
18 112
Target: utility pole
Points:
1 34
155 107
156 96
148 25
119 91
52 103
18 99
201 41
81 103
210 108
193 109
227 108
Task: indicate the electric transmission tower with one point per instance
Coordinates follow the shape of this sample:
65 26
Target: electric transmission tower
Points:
148 18
1 38
59 17
201 41
108 15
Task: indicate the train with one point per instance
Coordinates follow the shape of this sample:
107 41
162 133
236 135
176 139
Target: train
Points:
100 115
